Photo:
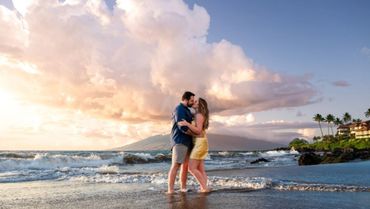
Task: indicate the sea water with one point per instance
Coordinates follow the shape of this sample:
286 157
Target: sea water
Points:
280 173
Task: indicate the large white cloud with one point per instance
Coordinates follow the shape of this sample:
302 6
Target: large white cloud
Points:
133 62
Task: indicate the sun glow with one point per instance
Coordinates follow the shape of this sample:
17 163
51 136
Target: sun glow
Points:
9 110
7 101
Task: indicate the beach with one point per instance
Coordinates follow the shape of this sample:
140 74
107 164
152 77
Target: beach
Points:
55 195
63 195
265 185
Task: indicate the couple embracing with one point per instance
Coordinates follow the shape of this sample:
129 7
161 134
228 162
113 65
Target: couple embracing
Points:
189 142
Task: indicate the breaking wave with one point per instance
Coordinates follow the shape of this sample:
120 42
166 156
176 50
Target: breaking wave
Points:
222 183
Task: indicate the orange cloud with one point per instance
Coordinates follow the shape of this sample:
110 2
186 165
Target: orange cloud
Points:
132 63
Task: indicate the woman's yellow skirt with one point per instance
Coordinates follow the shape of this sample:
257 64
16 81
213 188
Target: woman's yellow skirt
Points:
200 149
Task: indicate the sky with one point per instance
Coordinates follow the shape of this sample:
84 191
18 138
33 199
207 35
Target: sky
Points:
94 75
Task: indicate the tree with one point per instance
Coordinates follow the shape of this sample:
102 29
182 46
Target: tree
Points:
347 117
338 121
297 143
315 138
318 118
330 119
367 113
358 120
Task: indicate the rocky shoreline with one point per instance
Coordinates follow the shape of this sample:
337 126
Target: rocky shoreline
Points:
314 157
306 157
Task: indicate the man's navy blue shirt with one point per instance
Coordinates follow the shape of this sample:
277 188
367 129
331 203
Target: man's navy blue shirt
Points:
178 133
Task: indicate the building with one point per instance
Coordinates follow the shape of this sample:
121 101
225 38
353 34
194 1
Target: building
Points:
344 130
358 130
361 130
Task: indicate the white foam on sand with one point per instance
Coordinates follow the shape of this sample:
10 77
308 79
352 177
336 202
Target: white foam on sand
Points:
219 183
161 180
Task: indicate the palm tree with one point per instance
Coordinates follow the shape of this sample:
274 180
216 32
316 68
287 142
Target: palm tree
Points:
358 120
315 138
318 118
347 117
330 119
367 113
338 122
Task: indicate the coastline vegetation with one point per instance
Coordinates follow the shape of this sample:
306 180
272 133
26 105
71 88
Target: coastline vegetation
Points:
332 141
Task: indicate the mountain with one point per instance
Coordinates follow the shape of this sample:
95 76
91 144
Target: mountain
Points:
216 142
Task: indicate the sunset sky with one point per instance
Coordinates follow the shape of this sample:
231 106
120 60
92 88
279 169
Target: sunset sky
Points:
93 75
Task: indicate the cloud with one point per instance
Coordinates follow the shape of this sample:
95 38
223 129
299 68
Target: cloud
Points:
276 130
281 124
92 77
233 120
307 132
24 125
341 83
132 63
300 114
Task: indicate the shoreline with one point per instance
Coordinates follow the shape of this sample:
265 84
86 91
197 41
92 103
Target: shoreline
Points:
277 184
75 194
63 195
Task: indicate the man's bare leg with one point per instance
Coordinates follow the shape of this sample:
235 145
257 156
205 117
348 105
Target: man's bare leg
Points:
172 177
184 173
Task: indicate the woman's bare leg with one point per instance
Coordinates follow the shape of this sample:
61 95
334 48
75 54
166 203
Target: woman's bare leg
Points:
203 171
194 170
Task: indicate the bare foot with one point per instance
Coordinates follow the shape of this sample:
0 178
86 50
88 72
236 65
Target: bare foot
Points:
170 192
204 191
184 190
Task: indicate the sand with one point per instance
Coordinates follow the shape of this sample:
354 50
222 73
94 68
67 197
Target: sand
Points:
67 194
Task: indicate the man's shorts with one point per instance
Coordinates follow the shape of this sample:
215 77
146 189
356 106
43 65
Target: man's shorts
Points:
179 153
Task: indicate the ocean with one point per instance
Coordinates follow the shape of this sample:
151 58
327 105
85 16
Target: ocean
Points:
229 173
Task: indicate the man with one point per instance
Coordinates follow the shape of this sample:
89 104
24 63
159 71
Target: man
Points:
182 142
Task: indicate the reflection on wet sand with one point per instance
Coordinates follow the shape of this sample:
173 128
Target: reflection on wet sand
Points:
188 201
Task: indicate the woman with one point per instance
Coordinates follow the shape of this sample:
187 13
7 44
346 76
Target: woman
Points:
200 150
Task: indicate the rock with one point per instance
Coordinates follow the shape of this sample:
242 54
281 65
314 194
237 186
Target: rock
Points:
309 158
162 158
305 149
340 156
260 160
133 159
329 157
282 149
346 156
363 155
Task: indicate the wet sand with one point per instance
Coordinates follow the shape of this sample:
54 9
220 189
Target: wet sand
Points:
66 194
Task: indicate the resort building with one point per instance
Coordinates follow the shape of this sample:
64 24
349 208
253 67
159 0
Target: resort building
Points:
359 130
343 130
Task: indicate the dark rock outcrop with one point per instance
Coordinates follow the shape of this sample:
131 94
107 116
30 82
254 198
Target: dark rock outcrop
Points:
162 158
363 155
133 159
309 158
260 160
336 156
282 149
305 149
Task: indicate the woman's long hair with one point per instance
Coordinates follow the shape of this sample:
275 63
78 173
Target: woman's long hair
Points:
203 109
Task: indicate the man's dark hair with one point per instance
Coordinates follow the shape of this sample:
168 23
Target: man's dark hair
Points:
187 95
